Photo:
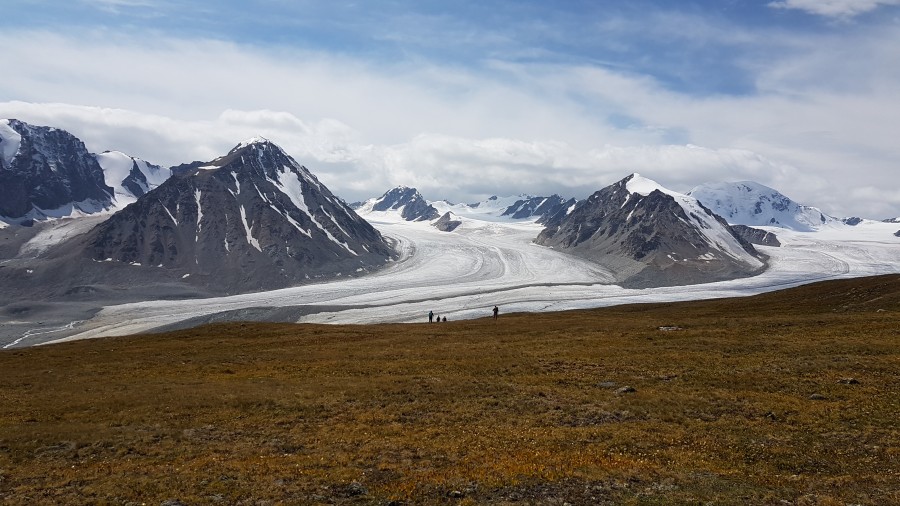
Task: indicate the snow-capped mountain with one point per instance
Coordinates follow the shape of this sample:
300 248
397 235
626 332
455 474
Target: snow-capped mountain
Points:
755 205
404 200
130 177
892 220
253 219
47 172
541 208
650 236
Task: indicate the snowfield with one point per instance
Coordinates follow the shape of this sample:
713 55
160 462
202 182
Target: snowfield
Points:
491 261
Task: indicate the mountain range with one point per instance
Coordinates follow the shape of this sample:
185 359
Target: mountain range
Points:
255 219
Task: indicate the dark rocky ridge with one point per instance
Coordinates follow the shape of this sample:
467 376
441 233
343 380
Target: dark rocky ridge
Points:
51 169
544 208
409 201
756 236
136 182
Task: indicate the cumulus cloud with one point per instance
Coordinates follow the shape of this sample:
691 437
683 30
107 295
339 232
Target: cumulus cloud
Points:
833 8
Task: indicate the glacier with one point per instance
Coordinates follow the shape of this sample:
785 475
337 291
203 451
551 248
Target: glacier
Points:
490 261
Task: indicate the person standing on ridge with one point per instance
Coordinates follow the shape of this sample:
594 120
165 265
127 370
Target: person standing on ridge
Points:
496 310
431 317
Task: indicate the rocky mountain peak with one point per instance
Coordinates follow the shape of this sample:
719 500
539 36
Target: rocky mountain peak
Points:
408 201
252 219
650 236
47 172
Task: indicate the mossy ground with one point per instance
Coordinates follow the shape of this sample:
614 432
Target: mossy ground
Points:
789 397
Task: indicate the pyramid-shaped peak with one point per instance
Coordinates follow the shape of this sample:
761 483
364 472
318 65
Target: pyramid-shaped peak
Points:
398 196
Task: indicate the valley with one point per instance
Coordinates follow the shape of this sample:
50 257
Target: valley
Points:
485 262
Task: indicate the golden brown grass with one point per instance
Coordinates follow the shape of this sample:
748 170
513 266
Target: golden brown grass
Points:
521 411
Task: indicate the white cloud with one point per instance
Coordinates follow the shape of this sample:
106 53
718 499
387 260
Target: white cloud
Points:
441 166
833 8
467 133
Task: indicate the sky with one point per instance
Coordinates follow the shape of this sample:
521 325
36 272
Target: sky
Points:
467 99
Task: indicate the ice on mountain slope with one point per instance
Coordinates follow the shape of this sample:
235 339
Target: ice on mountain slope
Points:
756 205
58 231
10 140
117 166
290 182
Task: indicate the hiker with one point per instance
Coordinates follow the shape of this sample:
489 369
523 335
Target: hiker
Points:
445 319
496 310
438 319
430 316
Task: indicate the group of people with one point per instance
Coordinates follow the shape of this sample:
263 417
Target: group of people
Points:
431 316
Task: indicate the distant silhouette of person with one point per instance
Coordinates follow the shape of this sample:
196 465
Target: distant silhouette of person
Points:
445 319
430 316
496 311
438 319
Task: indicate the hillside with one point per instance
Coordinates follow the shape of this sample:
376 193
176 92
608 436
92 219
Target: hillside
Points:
787 396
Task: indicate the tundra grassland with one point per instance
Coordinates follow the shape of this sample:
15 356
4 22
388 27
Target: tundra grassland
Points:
790 397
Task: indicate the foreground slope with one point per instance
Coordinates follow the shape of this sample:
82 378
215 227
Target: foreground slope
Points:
735 401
